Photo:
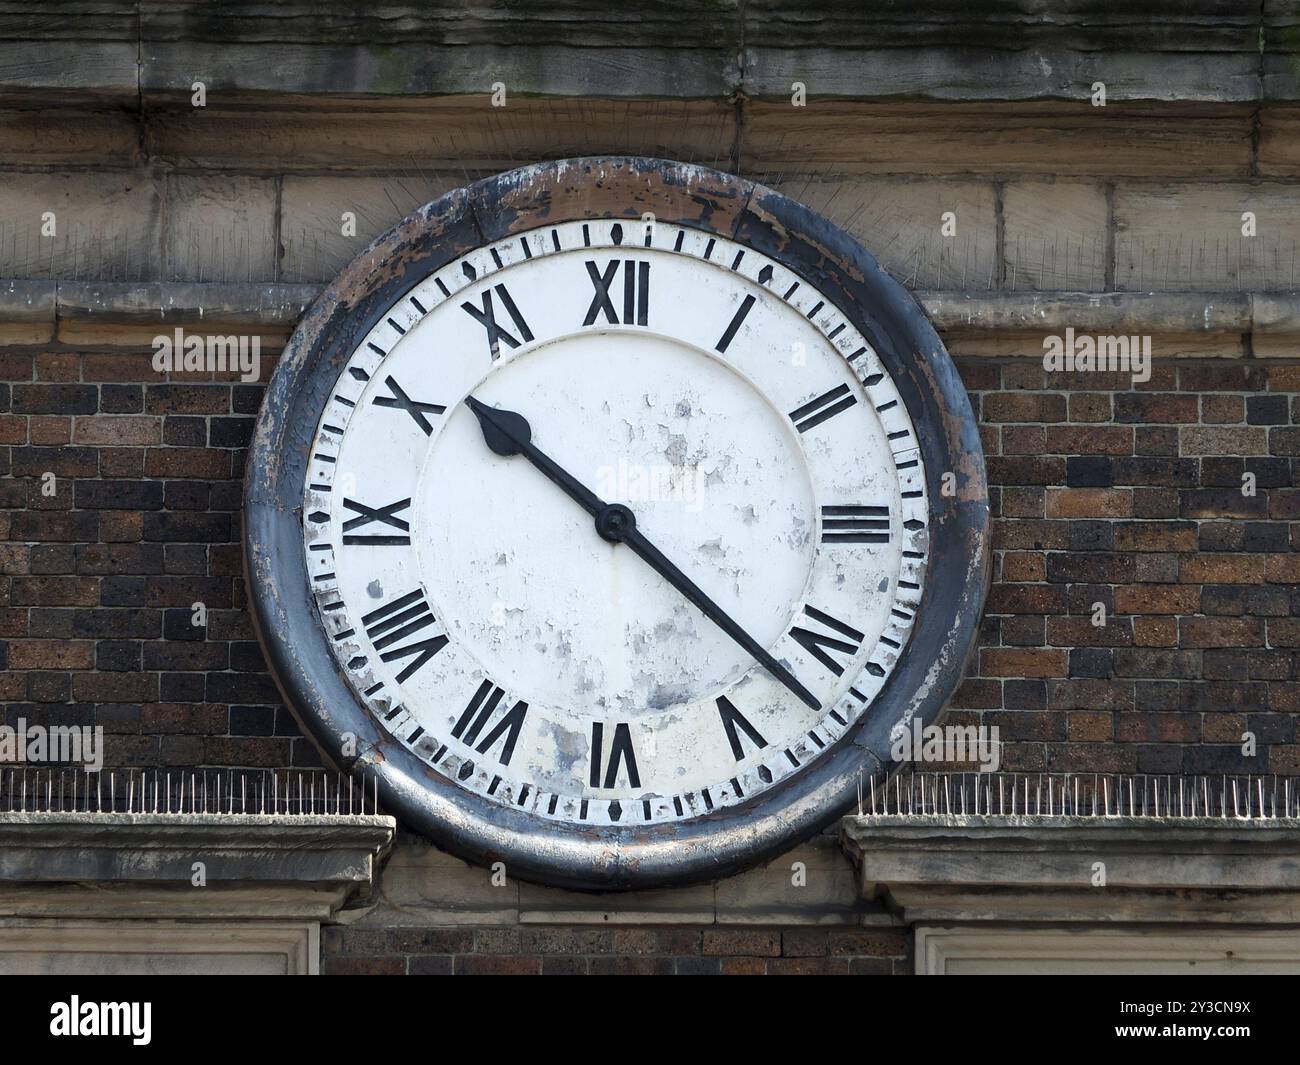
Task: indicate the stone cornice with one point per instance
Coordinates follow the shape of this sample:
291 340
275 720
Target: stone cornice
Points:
148 53
127 314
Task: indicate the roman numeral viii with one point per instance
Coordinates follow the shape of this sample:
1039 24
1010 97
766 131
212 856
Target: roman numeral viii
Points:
393 622
621 755
636 292
487 318
381 516
479 712
819 644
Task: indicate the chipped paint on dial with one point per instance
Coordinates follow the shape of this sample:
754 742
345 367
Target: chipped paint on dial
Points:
753 431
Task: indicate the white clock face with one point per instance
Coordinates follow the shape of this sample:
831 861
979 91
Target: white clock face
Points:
770 470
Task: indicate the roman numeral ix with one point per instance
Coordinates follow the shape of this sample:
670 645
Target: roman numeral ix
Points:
636 292
479 712
390 624
620 753
382 516
486 316
818 644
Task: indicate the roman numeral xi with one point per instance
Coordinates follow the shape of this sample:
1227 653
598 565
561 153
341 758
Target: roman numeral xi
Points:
487 317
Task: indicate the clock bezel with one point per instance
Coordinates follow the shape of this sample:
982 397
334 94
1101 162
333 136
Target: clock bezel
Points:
494 209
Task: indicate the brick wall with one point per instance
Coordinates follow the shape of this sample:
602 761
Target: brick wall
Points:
1132 498
1102 493
617 951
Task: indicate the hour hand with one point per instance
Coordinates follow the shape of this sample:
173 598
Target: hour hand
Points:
507 433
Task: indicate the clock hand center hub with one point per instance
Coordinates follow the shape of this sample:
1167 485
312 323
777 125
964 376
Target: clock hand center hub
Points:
615 523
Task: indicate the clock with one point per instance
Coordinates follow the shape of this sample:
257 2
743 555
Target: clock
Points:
611 514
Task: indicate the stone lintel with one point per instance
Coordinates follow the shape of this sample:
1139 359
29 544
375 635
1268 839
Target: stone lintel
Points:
146 866
1049 869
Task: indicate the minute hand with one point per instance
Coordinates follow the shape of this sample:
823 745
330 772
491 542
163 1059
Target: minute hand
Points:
657 561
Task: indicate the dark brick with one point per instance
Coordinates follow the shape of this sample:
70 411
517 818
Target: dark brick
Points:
55 399
1266 410
121 399
1089 471
119 495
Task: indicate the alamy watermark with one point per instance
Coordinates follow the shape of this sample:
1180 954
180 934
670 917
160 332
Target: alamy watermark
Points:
636 483
182 352
1103 354
77 1018
951 744
52 744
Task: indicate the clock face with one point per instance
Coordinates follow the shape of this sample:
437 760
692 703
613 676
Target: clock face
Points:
761 448
610 515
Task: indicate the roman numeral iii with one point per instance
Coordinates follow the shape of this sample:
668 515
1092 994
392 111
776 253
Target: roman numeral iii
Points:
486 317
394 622
479 712
636 292
621 755
855 525
819 644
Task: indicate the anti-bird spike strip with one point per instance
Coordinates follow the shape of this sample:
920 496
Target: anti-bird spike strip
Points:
154 793
1065 795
